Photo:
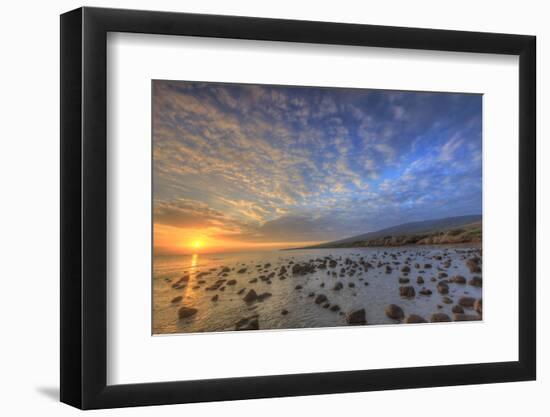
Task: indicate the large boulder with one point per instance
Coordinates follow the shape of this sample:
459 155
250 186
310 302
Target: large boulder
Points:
394 312
407 291
447 300
478 306
250 296
466 301
458 279
442 288
321 298
425 291
415 319
185 312
457 309
476 282
357 317
439 318
264 295
474 264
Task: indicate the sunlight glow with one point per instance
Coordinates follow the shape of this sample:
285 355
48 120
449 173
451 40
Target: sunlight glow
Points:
197 244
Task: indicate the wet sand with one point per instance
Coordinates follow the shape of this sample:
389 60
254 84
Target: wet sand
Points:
314 288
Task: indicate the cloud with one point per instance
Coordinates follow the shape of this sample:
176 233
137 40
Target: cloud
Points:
448 149
269 161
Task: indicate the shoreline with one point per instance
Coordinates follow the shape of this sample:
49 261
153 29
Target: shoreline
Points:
473 244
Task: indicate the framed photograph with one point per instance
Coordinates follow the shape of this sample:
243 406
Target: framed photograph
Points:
256 208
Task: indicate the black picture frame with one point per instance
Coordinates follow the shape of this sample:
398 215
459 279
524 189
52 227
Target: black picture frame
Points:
84 207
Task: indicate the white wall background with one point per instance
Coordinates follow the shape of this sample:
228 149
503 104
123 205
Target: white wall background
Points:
29 213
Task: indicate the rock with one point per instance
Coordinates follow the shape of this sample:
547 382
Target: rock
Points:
250 296
433 279
447 300
248 323
442 288
321 298
465 317
351 285
253 280
457 309
388 269
225 270
338 286
414 319
335 308
311 294
357 317
241 291
282 270
425 291
439 318
231 282
241 271
458 279
466 301
185 312
406 268
177 299
284 312
473 264
298 287
420 280
407 291
478 306
476 282
394 312
215 298
404 280
442 275
326 305
264 295
427 266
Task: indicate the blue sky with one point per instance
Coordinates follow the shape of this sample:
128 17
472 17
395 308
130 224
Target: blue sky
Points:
257 163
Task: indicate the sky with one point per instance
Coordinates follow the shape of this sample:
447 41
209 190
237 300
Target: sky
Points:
241 167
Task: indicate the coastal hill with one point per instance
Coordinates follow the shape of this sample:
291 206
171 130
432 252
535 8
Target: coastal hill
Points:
461 229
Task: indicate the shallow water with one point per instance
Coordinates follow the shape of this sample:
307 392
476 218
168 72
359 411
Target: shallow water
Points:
382 288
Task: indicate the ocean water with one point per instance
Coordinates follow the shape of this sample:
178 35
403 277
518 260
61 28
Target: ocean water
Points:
302 311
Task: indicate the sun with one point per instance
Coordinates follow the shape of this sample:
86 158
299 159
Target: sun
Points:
197 244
